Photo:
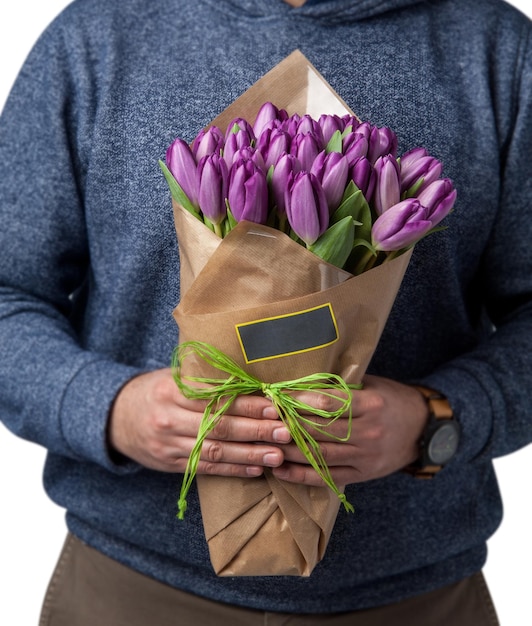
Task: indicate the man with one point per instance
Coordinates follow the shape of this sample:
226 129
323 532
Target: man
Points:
107 352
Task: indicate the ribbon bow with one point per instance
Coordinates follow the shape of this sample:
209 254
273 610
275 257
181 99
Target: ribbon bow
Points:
221 393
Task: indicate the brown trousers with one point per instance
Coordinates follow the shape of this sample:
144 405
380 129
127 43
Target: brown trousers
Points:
89 589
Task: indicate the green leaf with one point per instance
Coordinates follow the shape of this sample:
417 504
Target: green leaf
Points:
335 143
336 243
363 231
353 205
177 192
230 221
411 192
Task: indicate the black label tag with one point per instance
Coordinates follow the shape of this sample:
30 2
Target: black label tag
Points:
274 337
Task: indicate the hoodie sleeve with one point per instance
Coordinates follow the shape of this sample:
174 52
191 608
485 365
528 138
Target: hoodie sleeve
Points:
52 391
490 388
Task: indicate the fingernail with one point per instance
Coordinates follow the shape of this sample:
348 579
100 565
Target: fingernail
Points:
270 413
254 471
281 435
271 459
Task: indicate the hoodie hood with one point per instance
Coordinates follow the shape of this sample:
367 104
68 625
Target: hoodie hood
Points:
333 11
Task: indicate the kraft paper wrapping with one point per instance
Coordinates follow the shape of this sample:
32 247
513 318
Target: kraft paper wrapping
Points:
263 526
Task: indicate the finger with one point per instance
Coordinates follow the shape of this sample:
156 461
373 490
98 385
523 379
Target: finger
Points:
330 400
307 475
256 407
227 428
213 452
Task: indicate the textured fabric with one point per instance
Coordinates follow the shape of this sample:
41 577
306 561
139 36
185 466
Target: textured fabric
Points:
89 265
89 588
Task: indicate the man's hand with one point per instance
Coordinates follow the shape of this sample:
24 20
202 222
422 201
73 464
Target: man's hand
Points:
154 424
388 420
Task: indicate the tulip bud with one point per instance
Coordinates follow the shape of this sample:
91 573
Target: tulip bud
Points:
331 170
363 130
290 124
267 114
329 124
418 166
284 171
400 226
210 141
247 153
382 141
248 192
233 143
350 121
306 207
182 165
355 146
272 143
240 124
363 175
308 125
387 187
213 178
306 148
438 198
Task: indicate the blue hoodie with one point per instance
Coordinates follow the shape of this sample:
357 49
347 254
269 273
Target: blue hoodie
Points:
89 264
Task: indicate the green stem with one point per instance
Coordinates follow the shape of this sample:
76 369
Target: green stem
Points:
365 263
218 230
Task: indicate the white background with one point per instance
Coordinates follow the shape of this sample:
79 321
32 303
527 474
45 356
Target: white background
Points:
32 528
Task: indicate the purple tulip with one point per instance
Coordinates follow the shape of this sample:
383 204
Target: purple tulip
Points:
267 114
363 175
210 141
248 192
331 170
272 143
306 207
286 167
247 153
182 165
350 121
387 187
233 143
417 164
438 198
382 141
290 124
308 125
329 124
355 146
240 124
401 225
306 148
213 177
363 130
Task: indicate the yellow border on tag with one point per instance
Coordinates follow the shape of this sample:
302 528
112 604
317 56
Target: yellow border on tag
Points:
276 317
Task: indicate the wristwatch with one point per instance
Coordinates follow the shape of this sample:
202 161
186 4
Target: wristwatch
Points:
440 438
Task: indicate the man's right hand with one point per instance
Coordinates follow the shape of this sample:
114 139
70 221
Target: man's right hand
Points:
152 423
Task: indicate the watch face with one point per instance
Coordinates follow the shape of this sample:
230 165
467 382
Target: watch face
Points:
443 444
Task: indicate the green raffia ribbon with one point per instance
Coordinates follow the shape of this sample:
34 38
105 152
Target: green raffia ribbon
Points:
221 393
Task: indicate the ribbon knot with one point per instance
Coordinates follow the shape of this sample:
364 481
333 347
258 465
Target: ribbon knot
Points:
295 414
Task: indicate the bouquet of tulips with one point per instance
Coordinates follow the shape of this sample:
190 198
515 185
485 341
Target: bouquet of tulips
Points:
333 184
269 188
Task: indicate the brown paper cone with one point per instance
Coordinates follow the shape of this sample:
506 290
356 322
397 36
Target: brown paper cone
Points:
263 526
232 292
